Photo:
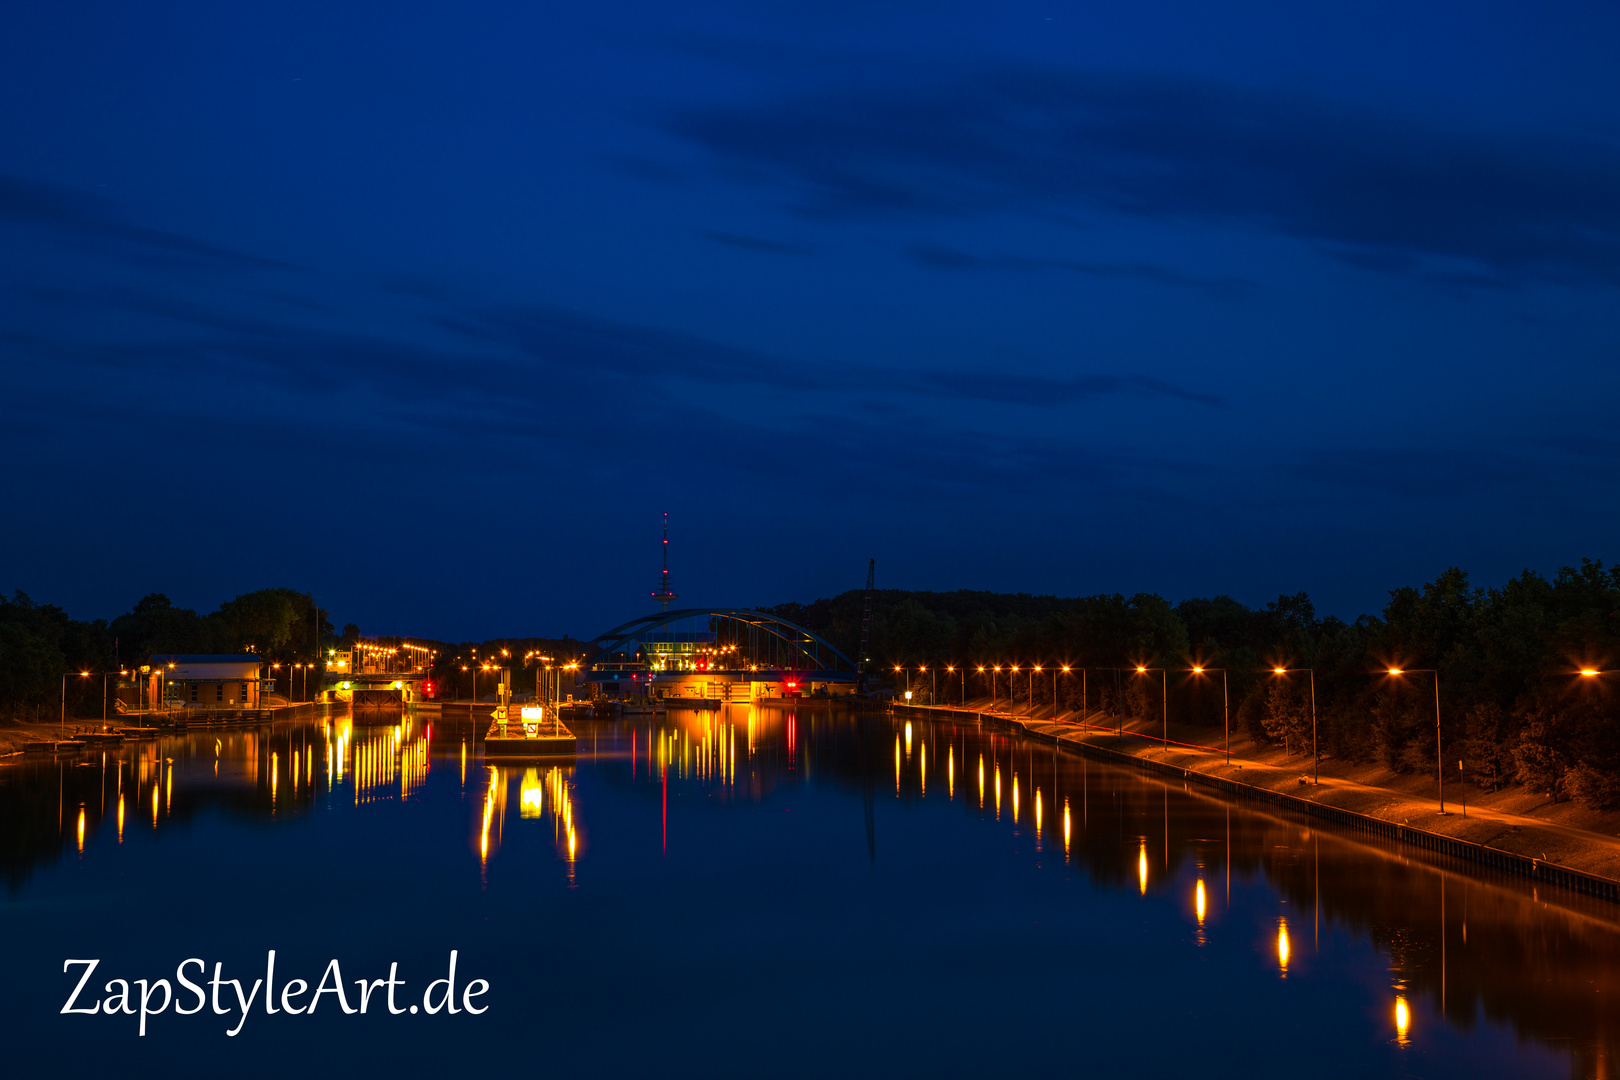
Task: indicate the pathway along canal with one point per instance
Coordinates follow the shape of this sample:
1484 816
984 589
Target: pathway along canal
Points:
772 891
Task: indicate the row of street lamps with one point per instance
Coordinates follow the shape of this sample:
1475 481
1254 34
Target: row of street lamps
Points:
305 670
1164 694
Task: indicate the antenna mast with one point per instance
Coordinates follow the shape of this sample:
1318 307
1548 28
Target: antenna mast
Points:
866 623
664 593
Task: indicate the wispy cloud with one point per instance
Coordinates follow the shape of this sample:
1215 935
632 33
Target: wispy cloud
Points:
87 219
947 258
1390 191
573 341
754 243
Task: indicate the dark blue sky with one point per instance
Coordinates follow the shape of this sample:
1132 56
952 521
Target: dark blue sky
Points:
434 309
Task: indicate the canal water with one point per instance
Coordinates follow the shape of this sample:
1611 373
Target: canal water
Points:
781 892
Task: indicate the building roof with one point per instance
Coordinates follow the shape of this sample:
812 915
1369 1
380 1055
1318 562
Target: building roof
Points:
204 658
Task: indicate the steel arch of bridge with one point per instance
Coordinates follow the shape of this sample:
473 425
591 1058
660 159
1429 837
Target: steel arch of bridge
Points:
791 647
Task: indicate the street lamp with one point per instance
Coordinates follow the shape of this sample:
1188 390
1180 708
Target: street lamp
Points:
994 668
1054 691
1032 673
950 669
1012 688
1226 715
1439 765
1316 758
1164 698
65 678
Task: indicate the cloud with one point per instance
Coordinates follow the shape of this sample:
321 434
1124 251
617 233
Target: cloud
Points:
573 341
1387 190
946 258
1044 391
754 243
1517 467
86 219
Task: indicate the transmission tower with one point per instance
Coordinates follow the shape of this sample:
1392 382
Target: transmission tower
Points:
866 624
665 592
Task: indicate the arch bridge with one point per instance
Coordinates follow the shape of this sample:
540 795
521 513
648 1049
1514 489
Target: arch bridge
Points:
706 655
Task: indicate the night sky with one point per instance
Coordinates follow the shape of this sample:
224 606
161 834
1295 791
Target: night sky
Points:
434 309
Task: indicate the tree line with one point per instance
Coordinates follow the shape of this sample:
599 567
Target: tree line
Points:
1513 706
40 643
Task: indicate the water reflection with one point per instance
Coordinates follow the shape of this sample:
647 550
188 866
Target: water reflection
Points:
1466 949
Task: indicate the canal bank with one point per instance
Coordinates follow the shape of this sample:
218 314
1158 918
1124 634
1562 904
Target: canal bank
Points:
1560 856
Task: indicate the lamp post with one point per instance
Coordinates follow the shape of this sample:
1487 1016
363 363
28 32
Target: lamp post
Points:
1054 691
1119 695
1032 673
1012 688
1164 698
950 669
65 678
1439 765
104 679
1226 715
1316 758
994 668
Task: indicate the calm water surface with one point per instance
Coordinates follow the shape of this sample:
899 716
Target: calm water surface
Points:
763 891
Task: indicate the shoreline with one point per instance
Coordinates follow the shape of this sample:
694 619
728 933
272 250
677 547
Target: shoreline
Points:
1519 843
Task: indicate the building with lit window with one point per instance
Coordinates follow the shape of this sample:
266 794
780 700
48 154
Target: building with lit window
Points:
209 680
708 656
376 674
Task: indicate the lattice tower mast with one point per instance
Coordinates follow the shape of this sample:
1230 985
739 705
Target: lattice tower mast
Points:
665 592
